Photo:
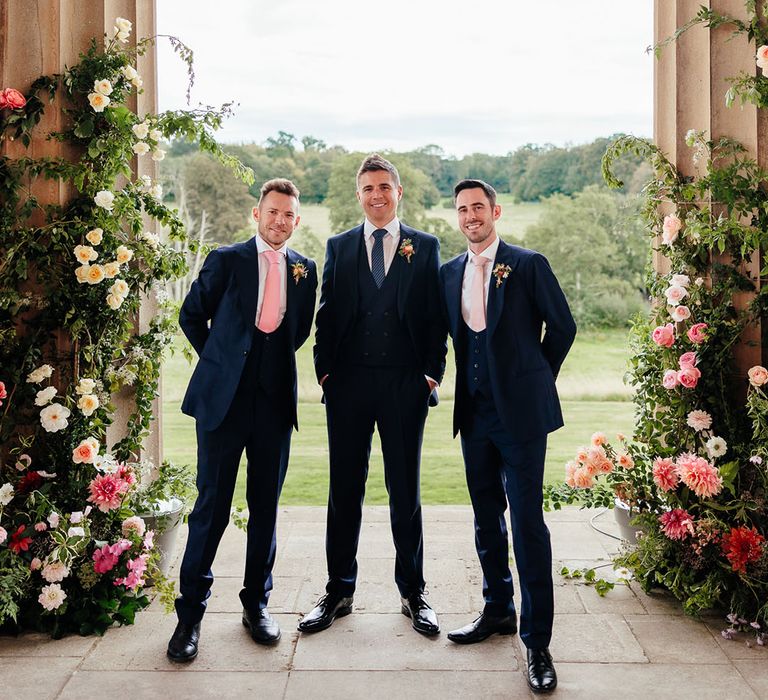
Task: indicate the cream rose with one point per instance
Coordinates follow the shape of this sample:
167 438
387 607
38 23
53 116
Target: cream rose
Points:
141 148
140 130
103 87
95 274
6 494
85 386
156 191
758 375
123 254
82 273
114 301
37 375
158 154
111 269
88 403
119 287
155 134
45 396
95 236
85 254
54 417
98 101
104 199
675 295
671 227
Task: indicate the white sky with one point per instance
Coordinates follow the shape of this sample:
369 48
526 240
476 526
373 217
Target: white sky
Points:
468 76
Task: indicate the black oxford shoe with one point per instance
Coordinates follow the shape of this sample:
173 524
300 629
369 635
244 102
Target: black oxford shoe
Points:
541 671
263 627
423 618
183 644
482 628
328 608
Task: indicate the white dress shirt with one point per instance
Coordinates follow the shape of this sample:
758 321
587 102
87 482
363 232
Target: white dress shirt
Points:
262 246
470 270
389 242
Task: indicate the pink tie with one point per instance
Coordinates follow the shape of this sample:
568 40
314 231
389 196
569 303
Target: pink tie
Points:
270 306
477 295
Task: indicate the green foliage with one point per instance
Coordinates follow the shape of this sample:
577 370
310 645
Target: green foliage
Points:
601 586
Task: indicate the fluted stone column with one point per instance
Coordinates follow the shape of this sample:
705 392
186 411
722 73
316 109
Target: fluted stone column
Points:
690 83
42 37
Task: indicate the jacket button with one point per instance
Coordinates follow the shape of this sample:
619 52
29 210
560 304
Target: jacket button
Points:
386 334
383 354
476 365
370 313
245 352
386 313
477 352
476 379
365 354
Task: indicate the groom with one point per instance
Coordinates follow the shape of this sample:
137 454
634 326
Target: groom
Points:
496 299
379 353
247 313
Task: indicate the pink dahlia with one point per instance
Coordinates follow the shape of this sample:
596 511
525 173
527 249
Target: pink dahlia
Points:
699 475
699 420
107 491
677 524
665 474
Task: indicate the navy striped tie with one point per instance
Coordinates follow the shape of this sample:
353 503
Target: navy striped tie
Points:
377 257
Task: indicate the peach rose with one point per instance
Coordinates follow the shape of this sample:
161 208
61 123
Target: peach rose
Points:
689 377
761 57
598 439
671 228
123 254
84 453
95 236
664 335
670 379
95 274
758 375
697 333
680 313
111 269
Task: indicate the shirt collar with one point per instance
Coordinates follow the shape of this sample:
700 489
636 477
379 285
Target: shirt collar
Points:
393 228
489 252
262 246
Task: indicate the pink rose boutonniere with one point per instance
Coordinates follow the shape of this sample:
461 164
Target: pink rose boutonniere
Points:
406 249
501 272
299 271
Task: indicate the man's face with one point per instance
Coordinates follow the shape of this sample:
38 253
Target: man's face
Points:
277 216
477 218
379 196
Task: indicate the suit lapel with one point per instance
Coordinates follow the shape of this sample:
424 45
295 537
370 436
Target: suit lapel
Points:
498 288
406 270
292 291
247 274
345 283
453 283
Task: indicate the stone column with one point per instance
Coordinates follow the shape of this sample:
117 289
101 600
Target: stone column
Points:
42 37
690 83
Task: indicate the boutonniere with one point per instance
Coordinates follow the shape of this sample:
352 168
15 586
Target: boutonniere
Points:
406 249
299 271
501 272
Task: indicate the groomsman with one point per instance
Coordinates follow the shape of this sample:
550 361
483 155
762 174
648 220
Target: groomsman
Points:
379 354
497 298
247 313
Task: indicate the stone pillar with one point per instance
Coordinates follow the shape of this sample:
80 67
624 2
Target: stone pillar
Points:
42 37
689 93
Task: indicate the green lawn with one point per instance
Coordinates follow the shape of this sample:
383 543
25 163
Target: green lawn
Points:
592 371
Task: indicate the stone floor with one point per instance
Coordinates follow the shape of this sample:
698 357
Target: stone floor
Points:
626 645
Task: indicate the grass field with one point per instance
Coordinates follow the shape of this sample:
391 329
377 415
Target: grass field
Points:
589 384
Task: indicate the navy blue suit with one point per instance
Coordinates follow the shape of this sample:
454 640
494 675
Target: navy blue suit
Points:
376 345
506 404
243 395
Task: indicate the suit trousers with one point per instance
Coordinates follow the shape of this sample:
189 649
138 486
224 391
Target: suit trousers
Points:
498 470
260 424
357 400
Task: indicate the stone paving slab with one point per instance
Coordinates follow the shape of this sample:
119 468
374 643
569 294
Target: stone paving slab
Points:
627 644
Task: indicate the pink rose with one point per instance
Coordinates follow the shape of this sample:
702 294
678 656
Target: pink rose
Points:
3 392
689 377
12 99
671 228
664 335
697 333
688 359
758 375
36 564
3 534
680 313
670 379
675 294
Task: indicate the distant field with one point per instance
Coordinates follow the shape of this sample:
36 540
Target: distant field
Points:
591 374
515 218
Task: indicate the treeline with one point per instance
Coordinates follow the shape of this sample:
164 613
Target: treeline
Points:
590 235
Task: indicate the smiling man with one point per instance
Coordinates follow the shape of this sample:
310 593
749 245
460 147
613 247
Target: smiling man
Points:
379 354
497 298
246 314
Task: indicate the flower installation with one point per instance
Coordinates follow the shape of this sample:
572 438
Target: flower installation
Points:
75 555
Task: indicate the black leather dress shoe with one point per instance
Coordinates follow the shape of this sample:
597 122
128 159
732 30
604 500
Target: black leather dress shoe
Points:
328 608
423 618
183 644
482 628
541 671
263 627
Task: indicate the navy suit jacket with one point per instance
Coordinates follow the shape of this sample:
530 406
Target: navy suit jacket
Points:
226 294
522 364
418 300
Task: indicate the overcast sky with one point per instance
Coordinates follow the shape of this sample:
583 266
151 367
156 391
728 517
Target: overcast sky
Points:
468 76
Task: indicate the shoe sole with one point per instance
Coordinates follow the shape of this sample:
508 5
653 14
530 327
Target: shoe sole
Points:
264 642
542 691
343 612
504 633
428 633
181 659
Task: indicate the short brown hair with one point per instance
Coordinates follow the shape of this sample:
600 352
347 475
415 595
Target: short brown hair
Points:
475 184
281 185
376 162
